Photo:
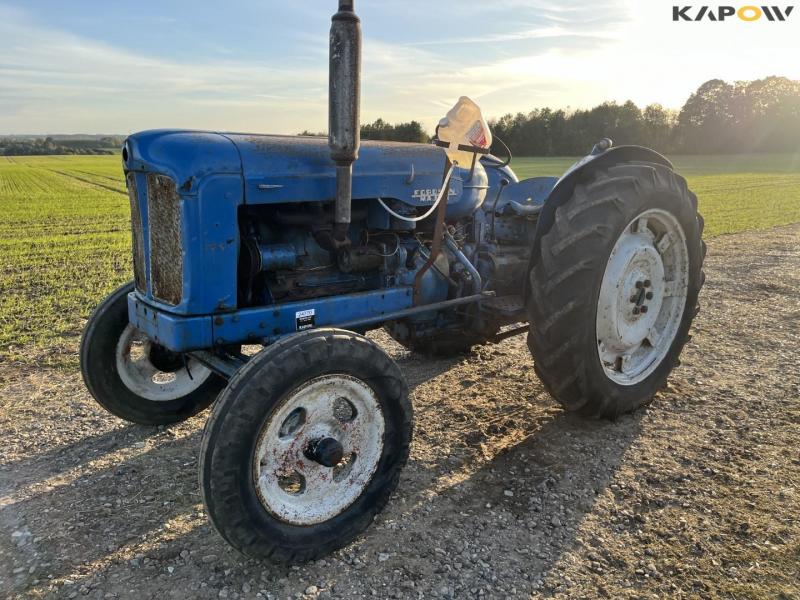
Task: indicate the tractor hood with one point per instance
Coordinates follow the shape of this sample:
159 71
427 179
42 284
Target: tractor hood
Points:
186 156
279 169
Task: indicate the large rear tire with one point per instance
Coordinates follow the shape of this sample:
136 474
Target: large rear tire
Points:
615 287
136 379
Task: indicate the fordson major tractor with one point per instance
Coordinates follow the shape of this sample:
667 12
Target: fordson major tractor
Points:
300 245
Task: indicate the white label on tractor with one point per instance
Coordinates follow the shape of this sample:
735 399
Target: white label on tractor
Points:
430 194
304 319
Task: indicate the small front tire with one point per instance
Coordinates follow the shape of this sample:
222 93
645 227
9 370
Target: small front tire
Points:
136 379
305 446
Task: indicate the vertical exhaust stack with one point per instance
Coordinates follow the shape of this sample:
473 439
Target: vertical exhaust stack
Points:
344 91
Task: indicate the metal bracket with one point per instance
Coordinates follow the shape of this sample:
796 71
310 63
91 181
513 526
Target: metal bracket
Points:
224 366
438 236
504 335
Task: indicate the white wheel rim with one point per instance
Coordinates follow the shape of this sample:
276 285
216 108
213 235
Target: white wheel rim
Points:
144 379
292 486
642 297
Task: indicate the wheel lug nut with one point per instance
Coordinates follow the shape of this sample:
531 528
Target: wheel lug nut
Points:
639 285
646 283
636 310
649 295
643 309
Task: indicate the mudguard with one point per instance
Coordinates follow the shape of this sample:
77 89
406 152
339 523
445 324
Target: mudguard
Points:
580 171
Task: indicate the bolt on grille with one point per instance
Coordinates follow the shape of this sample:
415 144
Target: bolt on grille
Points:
166 256
137 234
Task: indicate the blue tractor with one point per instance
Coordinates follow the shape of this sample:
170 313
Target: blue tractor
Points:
301 245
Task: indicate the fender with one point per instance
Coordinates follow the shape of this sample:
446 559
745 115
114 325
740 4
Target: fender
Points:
602 156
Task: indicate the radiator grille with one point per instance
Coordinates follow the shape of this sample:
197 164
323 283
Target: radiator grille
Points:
137 234
164 220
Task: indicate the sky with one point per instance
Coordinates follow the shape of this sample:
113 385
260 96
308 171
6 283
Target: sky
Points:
261 65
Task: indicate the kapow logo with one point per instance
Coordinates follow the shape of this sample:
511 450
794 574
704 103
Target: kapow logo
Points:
721 13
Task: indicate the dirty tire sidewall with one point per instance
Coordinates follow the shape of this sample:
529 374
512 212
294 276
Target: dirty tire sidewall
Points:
99 369
228 449
567 275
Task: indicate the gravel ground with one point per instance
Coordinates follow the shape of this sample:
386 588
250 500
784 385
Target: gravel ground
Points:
504 495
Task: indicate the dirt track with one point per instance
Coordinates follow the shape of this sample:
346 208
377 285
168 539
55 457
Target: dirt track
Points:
504 495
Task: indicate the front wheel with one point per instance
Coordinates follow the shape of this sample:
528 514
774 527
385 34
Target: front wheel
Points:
136 379
615 287
305 446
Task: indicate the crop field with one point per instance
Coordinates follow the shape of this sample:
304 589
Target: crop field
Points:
65 240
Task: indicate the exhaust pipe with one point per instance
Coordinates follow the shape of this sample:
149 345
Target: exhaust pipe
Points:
344 90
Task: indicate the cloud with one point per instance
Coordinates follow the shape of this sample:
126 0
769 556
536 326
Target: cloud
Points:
419 57
52 80
553 32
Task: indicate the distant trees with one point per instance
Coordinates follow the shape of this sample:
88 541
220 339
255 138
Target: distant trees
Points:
746 116
381 130
402 132
558 132
31 145
718 118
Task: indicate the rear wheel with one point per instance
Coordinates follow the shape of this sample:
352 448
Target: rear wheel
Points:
614 289
305 446
133 377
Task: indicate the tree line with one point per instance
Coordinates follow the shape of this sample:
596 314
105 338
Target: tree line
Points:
380 130
35 146
719 118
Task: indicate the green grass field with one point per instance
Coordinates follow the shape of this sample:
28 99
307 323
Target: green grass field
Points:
735 192
65 239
